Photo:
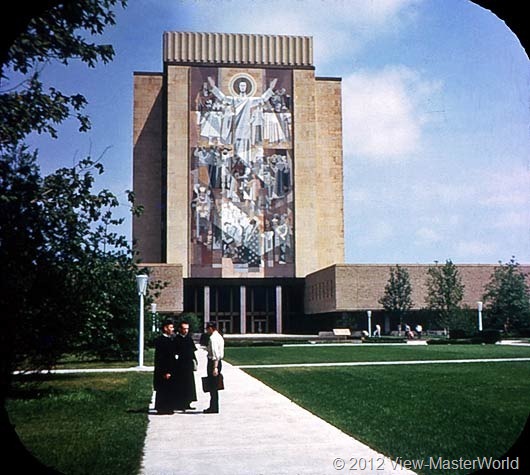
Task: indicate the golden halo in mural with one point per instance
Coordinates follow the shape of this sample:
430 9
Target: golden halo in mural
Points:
242 84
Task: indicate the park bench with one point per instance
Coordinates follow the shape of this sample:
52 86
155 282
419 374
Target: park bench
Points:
334 335
326 336
342 333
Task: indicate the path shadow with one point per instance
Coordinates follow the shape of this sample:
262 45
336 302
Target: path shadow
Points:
16 456
141 410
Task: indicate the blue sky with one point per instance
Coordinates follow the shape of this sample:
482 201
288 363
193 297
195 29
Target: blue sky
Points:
435 115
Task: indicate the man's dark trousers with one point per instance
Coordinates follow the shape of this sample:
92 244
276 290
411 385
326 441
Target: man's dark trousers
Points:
214 394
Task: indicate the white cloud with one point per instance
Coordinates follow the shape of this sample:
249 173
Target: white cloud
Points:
444 193
474 249
353 195
506 187
427 235
382 113
513 220
375 233
447 220
339 27
486 189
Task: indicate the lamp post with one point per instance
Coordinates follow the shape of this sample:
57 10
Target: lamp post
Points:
369 313
479 306
141 283
153 313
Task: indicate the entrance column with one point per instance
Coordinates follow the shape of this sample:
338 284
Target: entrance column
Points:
387 324
279 319
243 309
206 303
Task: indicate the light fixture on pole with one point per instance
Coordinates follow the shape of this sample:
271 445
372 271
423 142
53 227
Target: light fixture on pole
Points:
141 283
479 306
369 313
153 313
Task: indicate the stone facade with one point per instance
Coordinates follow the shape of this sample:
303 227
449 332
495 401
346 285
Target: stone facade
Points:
162 145
231 48
319 223
176 159
147 164
306 170
176 173
330 199
171 295
352 287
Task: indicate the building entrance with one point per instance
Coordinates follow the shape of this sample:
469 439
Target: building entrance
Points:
261 309
242 306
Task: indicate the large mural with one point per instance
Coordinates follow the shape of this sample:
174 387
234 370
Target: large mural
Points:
241 173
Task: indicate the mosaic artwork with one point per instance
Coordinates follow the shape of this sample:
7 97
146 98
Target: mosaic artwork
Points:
241 170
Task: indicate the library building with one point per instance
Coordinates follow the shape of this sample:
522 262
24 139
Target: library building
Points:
238 164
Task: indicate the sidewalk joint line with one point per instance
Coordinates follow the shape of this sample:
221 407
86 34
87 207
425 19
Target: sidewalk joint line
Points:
381 363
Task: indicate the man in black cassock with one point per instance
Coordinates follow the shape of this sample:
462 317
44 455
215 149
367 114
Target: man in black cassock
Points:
186 364
164 380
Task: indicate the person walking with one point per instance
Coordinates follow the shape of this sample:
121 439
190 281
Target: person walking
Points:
165 369
185 392
216 347
408 332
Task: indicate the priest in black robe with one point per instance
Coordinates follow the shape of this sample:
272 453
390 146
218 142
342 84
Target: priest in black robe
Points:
165 371
186 364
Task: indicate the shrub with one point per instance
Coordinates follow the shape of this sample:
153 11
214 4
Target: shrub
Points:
384 339
444 341
196 323
490 336
458 334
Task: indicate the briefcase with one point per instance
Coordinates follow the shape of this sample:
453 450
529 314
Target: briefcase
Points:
208 381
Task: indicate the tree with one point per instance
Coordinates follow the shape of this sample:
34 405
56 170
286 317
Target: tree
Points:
196 322
69 278
445 292
50 30
507 298
57 33
397 297
45 258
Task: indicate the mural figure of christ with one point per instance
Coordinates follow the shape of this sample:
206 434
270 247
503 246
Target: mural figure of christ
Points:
241 106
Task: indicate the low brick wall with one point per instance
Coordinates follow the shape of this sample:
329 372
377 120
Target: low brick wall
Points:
350 287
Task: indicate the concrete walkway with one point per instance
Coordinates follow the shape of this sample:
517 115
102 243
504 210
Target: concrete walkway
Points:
258 431
385 363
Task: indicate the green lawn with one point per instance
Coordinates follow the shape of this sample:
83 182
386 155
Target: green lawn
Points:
408 412
78 362
335 354
96 423
82 424
416 412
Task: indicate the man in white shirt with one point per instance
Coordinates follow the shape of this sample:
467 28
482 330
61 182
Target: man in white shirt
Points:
216 348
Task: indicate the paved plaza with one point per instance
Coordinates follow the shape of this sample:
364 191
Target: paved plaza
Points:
258 431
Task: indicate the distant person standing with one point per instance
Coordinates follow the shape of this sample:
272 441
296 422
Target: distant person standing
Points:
186 363
165 369
419 330
377 331
216 347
